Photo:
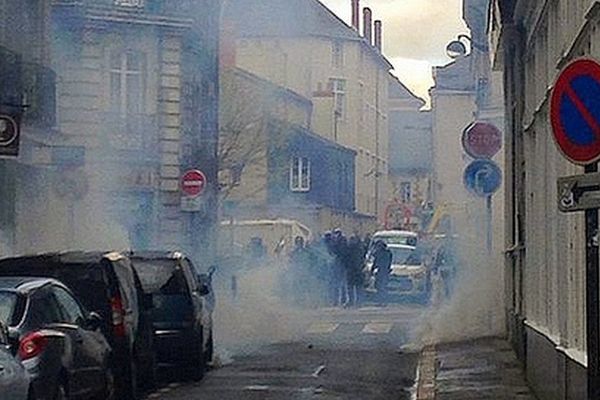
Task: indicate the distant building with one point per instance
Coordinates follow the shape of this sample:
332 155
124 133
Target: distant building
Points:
303 46
411 157
532 41
273 166
135 104
466 90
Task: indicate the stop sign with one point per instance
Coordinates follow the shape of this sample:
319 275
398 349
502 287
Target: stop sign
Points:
193 183
482 140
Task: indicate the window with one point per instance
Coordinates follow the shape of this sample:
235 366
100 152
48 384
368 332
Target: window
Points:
127 82
70 309
337 54
338 87
300 174
406 192
129 3
44 310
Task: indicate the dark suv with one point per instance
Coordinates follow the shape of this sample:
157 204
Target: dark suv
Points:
56 340
107 284
182 308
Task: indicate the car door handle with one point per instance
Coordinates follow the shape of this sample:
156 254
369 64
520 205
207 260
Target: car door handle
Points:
2 368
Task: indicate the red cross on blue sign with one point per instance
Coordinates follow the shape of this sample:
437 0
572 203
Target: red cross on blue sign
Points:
575 112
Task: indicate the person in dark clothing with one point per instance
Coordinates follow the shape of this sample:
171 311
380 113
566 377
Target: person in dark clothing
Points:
299 271
382 264
340 251
354 264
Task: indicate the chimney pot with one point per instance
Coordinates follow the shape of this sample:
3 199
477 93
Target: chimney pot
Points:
356 14
368 24
379 34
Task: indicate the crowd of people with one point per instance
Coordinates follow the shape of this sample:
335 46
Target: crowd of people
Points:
329 271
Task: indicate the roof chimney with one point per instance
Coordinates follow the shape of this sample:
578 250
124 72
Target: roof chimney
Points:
356 14
368 24
378 34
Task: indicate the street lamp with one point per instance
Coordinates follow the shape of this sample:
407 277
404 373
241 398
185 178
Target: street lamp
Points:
457 48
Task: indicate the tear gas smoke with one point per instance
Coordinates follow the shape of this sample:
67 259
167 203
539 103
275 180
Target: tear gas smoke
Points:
258 314
476 306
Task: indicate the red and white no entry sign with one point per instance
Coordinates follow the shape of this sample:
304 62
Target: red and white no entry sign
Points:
193 183
482 140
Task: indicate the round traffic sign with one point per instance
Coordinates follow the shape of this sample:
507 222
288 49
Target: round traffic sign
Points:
575 112
483 178
482 140
9 130
193 183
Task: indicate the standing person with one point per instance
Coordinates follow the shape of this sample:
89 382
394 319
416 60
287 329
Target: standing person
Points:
354 266
382 263
299 264
340 246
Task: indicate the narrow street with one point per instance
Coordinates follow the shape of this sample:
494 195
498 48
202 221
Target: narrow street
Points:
343 354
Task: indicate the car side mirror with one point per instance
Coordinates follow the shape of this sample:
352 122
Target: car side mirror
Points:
212 270
204 290
93 321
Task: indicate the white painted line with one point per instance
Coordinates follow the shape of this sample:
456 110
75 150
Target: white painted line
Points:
322 327
257 388
319 371
378 328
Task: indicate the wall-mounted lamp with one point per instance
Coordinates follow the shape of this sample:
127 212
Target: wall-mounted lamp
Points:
457 48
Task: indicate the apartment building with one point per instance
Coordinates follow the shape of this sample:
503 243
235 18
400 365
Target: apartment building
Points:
532 41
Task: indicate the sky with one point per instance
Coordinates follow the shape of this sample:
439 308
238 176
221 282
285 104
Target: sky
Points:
415 35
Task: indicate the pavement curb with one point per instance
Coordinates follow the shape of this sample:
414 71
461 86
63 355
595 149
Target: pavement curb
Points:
427 374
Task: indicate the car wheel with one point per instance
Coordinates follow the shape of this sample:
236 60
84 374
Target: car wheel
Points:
197 364
109 384
61 392
210 350
133 380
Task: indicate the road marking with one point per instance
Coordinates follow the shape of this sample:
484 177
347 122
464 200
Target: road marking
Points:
257 388
322 327
319 371
378 328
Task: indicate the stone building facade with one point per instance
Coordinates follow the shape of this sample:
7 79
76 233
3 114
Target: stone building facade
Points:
545 249
136 101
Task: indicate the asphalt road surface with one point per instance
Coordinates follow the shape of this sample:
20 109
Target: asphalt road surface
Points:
343 354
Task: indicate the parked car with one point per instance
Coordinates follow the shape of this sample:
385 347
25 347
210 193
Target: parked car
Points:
57 341
395 237
409 277
183 305
14 379
107 284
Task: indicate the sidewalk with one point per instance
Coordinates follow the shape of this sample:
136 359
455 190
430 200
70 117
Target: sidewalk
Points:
482 369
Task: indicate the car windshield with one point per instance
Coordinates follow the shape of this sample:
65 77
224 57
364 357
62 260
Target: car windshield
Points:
405 256
161 277
170 294
397 239
8 301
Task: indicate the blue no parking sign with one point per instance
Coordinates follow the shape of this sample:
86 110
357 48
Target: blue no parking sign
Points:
575 112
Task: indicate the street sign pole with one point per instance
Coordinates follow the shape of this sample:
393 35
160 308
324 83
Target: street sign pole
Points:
489 217
592 297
